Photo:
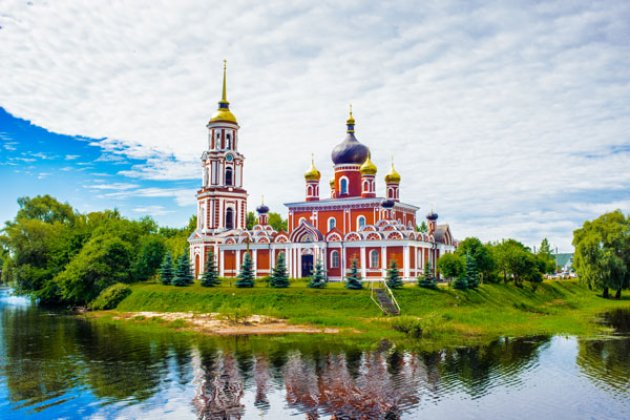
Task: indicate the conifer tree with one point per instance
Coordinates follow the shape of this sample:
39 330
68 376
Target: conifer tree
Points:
472 274
210 276
166 270
393 276
318 278
246 275
183 275
353 279
427 279
279 276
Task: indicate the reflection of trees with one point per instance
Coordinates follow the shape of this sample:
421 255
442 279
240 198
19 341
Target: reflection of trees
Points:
606 362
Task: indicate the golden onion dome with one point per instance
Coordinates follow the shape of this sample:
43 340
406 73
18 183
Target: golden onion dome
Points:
393 176
313 173
332 183
368 167
223 113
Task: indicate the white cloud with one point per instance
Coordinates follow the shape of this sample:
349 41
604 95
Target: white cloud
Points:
72 157
117 186
491 111
152 210
182 196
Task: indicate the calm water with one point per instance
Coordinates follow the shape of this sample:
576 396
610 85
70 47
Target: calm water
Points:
56 366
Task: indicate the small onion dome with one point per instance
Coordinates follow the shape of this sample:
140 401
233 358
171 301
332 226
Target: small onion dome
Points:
432 216
387 204
313 173
368 167
262 209
332 182
350 151
393 176
223 113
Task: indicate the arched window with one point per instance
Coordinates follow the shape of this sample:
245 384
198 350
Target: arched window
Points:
366 186
344 185
228 141
334 259
309 191
360 222
228 176
373 258
229 218
390 193
332 222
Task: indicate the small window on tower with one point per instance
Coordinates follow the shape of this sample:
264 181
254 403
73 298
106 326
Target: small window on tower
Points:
344 186
332 222
228 142
228 176
360 222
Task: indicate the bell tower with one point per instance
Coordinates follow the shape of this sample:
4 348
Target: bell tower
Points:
222 200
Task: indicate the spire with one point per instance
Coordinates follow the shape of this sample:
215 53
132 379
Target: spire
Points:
350 121
224 113
224 100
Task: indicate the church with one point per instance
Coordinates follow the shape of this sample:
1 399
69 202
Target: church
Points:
351 222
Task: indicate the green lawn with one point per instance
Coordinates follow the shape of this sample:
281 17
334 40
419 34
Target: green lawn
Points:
446 315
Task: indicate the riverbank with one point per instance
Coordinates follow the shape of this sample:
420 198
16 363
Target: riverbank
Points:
446 316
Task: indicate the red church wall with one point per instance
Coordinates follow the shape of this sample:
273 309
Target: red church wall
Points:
354 182
351 254
395 253
334 272
262 259
229 262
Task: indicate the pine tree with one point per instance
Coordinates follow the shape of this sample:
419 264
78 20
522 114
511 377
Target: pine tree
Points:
472 274
246 275
210 276
183 275
279 276
427 279
393 276
318 278
353 279
166 270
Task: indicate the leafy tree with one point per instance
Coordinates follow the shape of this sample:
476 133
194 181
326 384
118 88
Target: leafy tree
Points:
547 261
183 273
149 257
509 255
472 275
602 252
210 276
103 261
250 221
423 227
166 270
353 279
480 253
45 209
277 222
427 279
393 276
246 275
279 276
451 265
318 277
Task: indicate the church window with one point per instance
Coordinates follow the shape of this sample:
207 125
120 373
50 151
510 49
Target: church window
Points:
228 141
360 222
228 176
332 222
309 191
334 259
344 185
229 218
373 258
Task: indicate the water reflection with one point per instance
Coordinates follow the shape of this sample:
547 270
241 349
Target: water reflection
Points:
57 365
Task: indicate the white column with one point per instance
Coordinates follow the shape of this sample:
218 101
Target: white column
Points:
342 263
238 261
406 261
298 261
222 263
272 257
254 261
363 267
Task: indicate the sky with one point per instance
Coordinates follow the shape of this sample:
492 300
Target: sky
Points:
509 119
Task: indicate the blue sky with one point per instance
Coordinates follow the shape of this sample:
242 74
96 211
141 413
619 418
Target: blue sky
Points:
508 118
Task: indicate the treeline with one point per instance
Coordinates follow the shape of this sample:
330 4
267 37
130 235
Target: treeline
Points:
61 256
506 261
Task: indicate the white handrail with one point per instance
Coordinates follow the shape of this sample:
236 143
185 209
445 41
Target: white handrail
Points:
389 292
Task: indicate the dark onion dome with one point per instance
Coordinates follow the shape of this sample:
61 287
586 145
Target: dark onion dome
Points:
262 209
387 204
350 151
432 215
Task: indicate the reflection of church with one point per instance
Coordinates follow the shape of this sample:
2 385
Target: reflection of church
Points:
352 223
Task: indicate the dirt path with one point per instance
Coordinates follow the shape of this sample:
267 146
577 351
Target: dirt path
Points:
217 324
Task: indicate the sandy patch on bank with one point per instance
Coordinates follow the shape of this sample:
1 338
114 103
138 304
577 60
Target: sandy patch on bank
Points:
217 324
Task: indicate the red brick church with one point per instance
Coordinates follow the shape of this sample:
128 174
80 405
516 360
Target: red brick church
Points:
352 222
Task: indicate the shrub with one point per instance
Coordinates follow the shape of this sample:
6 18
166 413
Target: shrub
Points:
393 276
110 297
408 325
353 279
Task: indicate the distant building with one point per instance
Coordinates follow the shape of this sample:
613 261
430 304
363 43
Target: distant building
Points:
352 223
564 262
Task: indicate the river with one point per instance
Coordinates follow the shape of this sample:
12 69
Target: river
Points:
54 365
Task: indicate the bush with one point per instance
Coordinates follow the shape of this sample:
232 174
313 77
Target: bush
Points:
408 325
110 297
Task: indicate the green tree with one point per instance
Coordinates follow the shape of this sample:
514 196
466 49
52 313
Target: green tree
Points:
353 278
427 279
423 227
277 222
393 276
183 273
318 277
103 261
547 261
250 222
246 275
149 257
472 275
480 253
45 209
509 255
602 252
451 265
279 276
210 276
166 270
